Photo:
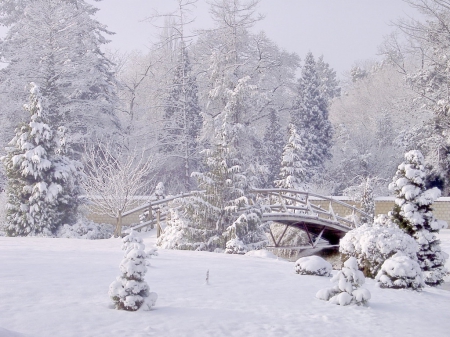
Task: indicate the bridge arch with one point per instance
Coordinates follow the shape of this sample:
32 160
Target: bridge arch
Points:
293 208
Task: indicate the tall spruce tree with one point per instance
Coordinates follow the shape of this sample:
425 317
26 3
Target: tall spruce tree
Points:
414 214
309 115
182 122
204 220
56 44
42 188
273 147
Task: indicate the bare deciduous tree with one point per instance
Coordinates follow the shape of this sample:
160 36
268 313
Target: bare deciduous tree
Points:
113 177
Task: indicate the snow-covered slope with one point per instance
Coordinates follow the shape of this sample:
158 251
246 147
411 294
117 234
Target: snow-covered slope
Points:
59 287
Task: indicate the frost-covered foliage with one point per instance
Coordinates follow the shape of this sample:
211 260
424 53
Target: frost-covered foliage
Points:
85 229
57 44
414 214
293 167
205 216
371 245
42 186
273 147
310 115
179 135
347 291
400 271
130 291
313 265
247 233
364 194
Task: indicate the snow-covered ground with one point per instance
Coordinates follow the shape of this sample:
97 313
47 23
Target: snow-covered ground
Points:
58 287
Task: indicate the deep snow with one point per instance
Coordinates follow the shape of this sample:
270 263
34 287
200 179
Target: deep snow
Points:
59 287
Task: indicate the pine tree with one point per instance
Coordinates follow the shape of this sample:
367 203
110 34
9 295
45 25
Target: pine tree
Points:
293 172
42 182
414 214
329 84
273 146
182 120
130 291
309 115
347 291
56 44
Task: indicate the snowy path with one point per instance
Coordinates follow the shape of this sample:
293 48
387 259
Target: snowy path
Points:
58 287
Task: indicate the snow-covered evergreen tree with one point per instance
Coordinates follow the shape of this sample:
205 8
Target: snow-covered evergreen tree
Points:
56 44
400 271
130 291
43 185
329 84
293 168
207 214
182 122
347 291
309 115
414 214
246 233
273 147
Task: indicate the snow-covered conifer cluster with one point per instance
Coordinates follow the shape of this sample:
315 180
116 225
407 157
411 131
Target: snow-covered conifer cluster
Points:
42 189
414 214
348 289
130 291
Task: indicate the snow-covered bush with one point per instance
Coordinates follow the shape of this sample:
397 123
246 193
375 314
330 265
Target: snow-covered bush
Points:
400 271
313 265
371 245
130 291
347 291
85 229
414 214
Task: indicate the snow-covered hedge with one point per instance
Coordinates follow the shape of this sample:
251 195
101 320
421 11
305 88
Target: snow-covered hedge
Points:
400 271
85 229
373 244
130 291
313 265
347 291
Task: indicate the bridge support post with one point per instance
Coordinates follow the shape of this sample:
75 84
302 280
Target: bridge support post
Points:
150 215
158 228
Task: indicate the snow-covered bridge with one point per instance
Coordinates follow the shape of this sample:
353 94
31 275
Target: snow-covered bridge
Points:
299 209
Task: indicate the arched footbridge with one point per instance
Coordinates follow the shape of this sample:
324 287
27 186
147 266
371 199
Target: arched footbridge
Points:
310 212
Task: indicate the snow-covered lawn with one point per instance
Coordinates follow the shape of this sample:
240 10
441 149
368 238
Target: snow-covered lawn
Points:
58 288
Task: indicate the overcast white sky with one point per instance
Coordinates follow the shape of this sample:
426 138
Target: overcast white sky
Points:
344 31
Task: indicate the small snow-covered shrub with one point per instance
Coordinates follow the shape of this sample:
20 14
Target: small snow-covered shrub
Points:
262 253
235 246
347 291
373 244
130 291
313 265
85 229
400 271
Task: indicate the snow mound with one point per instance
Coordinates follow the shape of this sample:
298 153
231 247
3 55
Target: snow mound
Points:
261 253
8 333
400 271
85 229
313 265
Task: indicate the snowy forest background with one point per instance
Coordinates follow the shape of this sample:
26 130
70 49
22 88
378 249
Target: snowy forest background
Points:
163 115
